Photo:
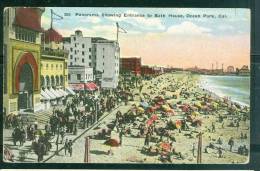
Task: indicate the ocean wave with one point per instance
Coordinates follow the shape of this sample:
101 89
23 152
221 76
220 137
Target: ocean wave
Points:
238 89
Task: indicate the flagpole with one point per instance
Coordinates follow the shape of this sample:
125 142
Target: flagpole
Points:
117 30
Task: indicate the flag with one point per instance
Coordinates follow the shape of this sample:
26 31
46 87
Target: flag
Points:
120 29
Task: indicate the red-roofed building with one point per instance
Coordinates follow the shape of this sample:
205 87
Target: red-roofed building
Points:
52 35
51 39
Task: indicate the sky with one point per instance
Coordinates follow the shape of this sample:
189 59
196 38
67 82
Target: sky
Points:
177 37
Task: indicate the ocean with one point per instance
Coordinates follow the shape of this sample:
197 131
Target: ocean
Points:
236 87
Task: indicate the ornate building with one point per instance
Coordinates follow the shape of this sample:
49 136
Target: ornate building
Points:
22 44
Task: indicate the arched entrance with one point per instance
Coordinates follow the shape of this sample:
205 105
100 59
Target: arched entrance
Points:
26 80
25 98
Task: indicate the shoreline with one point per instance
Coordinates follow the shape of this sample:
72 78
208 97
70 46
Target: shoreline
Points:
203 87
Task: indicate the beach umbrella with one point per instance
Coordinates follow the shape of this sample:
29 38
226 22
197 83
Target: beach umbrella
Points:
154 117
165 146
198 105
149 122
112 142
144 104
178 124
195 113
140 110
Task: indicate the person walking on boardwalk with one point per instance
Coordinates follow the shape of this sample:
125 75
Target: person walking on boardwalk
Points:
213 127
120 136
147 139
66 145
220 153
70 147
231 143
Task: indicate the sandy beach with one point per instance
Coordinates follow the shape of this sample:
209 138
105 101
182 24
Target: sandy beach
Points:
171 88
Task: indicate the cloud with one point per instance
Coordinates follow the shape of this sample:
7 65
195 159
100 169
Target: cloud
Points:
188 28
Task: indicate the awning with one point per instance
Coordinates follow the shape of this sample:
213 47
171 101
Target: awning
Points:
55 93
50 94
45 96
59 93
77 87
91 86
70 91
64 93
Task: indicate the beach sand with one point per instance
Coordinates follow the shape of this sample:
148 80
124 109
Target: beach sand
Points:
130 151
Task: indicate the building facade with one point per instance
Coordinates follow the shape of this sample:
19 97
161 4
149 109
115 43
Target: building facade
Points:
80 74
146 70
80 58
130 65
21 59
54 69
243 71
107 55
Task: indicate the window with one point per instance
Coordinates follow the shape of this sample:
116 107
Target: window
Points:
71 64
82 60
83 46
75 52
60 66
103 63
83 53
65 65
86 76
71 56
69 76
75 59
56 66
103 56
74 38
75 45
25 35
71 49
89 64
51 66
89 56
47 66
78 76
89 49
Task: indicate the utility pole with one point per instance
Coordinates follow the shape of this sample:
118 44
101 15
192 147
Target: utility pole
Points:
199 155
52 17
87 148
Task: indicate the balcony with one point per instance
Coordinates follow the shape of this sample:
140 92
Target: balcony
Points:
54 52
